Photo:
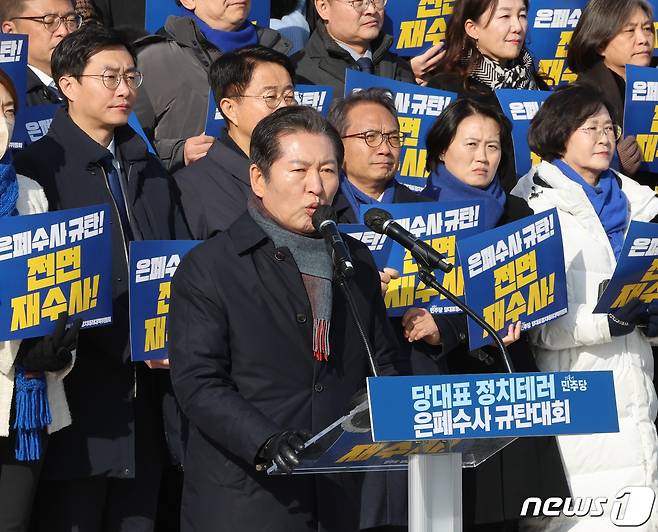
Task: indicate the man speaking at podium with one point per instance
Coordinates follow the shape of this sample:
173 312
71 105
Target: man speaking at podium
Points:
252 309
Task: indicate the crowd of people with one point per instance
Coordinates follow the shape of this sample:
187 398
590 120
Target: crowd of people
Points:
263 351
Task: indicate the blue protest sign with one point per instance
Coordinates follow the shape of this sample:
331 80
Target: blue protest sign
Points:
440 224
214 119
521 106
515 272
54 262
636 273
418 108
152 265
134 123
438 407
654 5
418 24
641 112
37 121
157 12
13 61
317 96
550 28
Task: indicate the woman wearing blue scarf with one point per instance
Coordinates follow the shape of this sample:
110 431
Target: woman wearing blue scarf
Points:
575 136
463 156
32 399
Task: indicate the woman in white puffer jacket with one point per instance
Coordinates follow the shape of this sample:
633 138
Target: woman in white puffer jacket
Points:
575 136
19 473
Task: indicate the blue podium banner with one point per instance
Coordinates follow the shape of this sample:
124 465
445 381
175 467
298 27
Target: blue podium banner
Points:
550 28
13 62
515 272
418 108
417 24
521 106
444 407
54 262
441 225
641 112
152 265
636 274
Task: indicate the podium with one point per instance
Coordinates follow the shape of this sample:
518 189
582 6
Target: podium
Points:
434 425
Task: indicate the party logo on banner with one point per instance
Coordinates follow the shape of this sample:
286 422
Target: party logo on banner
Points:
636 274
550 28
13 62
152 265
418 108
52 263
515 272
521 106
418 24
439 224
641 112
438 407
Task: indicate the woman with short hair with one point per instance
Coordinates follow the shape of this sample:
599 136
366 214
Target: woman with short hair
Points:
610 35
575 136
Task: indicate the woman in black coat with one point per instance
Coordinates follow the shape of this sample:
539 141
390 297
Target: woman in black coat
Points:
485 50
610 35
463 154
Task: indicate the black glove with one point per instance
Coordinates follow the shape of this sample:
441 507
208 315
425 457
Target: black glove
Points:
652 320
284 448
624 320
50 353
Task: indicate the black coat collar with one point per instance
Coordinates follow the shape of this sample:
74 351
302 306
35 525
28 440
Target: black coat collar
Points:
225 153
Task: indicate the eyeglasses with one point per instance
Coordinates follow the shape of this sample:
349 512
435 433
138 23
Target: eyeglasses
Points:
272 100
612 132
361 5
52 22
112 80
374 139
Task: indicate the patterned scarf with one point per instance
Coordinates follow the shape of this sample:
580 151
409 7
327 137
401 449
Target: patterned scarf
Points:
315 265
517 75
8 187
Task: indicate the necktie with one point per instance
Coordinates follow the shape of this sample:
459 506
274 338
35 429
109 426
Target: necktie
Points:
366 65
54 91
114 184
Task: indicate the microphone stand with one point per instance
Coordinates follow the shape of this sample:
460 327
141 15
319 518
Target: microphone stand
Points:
427 276
342 282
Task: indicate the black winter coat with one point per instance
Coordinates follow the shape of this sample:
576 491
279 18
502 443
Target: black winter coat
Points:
243 369
36 92
323 62
530 467
214 190
172 104
102 386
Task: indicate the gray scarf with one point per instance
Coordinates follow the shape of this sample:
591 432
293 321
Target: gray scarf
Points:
316 267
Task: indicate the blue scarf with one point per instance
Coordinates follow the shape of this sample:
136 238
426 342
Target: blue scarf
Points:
608 200
227 41
443 186
8 187
356 198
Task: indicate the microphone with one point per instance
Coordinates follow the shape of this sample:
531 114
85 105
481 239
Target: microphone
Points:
324 221
381 221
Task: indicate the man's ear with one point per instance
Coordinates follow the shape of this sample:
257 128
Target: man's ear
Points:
257 179
322 8
8 27
189 4
229 111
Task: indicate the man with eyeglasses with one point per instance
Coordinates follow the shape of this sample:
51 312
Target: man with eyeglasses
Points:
176 61
46 23
249 84
350 36
103 473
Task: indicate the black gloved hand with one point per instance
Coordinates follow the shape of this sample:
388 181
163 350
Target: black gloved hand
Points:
624 320
652 320
50 353
284 449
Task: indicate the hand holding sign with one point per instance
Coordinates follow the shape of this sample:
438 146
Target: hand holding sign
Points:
52 352
196 148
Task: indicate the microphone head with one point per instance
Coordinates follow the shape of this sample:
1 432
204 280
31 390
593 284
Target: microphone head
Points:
322 214
376 218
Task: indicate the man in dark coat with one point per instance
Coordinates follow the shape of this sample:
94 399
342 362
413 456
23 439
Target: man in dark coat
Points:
251 311
46 23
102 472
172 107
214 189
